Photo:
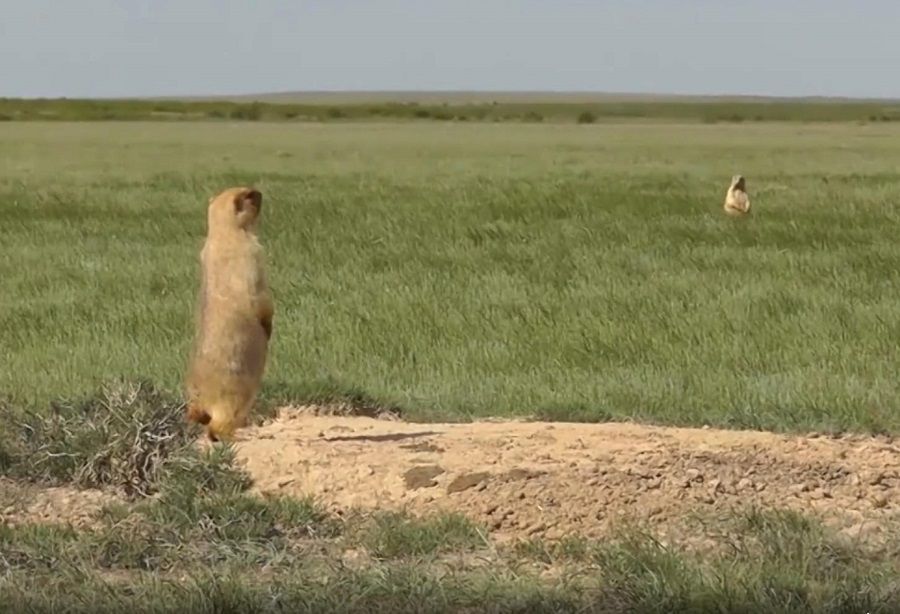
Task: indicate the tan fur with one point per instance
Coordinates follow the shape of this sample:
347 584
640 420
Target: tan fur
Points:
737 202
234 317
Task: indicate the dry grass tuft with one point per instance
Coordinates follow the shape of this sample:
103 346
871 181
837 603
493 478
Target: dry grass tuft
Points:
121 439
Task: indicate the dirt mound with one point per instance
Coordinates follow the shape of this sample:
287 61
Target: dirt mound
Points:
54 505
539 479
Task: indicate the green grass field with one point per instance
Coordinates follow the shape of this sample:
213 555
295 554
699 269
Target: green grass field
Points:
450 270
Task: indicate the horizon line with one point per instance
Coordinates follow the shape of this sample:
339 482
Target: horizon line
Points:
436 93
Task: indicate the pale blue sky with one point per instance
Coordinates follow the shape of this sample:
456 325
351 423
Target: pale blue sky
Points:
81 48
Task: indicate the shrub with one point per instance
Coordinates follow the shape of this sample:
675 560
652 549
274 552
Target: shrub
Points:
251 112
120 438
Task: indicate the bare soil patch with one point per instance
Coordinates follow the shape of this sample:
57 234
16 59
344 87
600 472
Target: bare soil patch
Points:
551 480
64 505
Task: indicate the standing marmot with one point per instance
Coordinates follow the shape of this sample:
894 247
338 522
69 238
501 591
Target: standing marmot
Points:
736 200
234 320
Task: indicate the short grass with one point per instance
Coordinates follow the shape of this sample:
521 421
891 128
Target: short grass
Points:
461 270
193 539
622 577
238 553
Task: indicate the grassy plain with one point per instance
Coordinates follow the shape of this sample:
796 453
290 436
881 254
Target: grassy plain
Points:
449 270
458 270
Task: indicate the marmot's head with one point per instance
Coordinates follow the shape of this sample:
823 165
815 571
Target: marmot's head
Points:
737 183
235 208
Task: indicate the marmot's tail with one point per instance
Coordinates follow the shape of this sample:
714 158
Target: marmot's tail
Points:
224 420
220 419
197 414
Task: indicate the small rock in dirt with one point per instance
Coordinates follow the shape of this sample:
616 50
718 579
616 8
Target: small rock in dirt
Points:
422 476
879 501
285 482
802 487
422 446
744 484
693 475
521 474
466 481
554 533
862 531
877 478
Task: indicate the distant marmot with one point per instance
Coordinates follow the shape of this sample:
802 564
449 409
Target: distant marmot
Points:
234 319
736 200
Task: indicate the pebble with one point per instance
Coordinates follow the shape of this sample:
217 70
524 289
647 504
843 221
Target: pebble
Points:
693 475
879 501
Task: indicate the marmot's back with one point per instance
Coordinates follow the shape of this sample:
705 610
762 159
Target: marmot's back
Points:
235 317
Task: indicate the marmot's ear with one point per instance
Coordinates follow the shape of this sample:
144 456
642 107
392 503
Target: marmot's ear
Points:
211 199
255 197
247 199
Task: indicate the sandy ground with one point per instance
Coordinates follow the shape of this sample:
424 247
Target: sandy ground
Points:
534 479
24 504
525 479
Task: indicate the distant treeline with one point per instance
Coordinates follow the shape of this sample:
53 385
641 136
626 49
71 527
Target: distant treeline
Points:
13 109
